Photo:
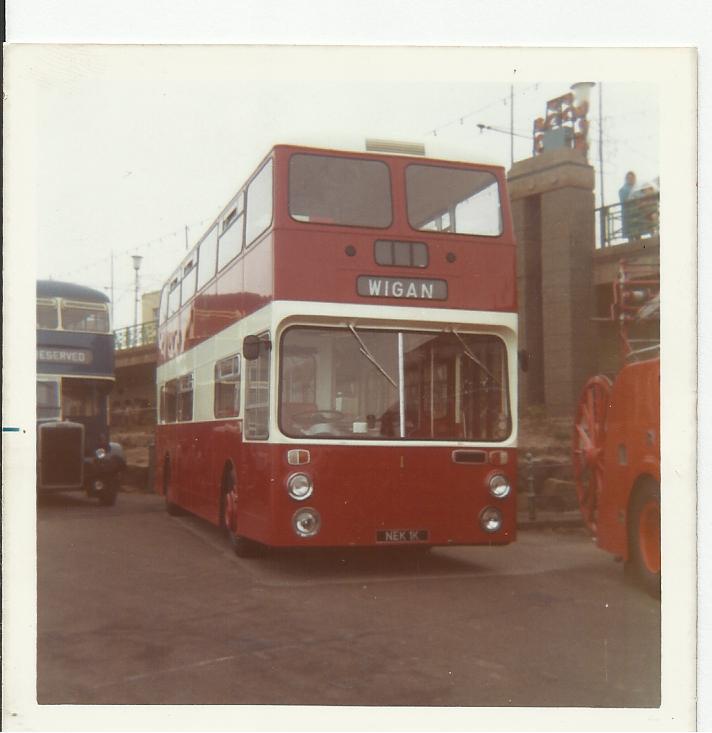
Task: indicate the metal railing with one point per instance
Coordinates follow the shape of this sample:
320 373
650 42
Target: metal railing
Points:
630 221
131 337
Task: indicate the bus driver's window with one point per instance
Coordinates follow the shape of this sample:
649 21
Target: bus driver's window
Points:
257 394
80 398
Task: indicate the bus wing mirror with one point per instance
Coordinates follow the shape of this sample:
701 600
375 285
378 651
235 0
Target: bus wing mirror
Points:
251 346
523 355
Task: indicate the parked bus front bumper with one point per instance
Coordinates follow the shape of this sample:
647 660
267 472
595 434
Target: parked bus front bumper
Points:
383 495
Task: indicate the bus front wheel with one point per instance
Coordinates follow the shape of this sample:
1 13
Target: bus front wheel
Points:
171 507
644 537
107 497
241 546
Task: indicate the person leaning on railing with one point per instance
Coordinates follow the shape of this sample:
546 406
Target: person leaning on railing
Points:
627 213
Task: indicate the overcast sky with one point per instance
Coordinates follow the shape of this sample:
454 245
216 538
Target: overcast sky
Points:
136 143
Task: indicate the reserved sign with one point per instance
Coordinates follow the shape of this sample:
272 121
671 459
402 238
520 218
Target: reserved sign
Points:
414 288
64 356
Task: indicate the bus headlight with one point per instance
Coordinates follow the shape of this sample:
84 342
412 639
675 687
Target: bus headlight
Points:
490 519
299 486
499 486
306 522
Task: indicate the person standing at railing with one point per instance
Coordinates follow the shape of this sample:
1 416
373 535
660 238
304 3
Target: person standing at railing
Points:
627 206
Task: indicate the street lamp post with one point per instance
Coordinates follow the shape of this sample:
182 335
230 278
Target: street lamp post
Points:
136 265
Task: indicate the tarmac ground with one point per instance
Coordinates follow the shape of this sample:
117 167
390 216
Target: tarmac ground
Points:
137 607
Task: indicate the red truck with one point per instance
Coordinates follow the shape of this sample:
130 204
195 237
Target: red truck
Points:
616 436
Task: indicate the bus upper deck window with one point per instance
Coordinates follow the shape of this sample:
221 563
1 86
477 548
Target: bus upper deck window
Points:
47 314
231 232
163 308
453 200
207 257
259 203
174 295
190 273
328 189
91 317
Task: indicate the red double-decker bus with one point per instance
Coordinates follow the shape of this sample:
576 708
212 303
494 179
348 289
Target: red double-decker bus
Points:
338 356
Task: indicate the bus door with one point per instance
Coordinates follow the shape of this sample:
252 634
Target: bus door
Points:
187 442
254 469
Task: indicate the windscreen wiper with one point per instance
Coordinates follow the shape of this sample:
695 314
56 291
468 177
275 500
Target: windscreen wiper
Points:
472 357
364 350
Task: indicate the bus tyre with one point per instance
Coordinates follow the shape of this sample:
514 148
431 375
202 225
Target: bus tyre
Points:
241 546
107 497
173 509
644 537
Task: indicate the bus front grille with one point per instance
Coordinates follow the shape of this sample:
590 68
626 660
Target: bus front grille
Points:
61 455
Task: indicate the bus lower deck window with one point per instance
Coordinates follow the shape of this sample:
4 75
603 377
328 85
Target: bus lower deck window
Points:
227 387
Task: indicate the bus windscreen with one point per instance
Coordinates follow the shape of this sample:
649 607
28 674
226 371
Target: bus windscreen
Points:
350 383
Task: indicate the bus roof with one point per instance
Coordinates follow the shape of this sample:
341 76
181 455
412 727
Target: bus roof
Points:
71 291
446 155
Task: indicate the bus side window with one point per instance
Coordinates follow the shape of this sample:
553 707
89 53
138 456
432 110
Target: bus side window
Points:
207 257
85 317
185 398
163 308
259 203
231 234
190 272
47 313
168 401
227 387
174 295
257 395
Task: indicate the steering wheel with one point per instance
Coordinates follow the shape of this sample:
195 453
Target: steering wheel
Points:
313 416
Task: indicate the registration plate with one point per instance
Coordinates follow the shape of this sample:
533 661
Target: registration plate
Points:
402 535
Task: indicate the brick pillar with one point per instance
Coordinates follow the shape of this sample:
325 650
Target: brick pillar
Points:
527 225
553 209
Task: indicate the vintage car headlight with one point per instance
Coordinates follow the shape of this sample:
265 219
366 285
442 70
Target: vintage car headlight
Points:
299 486
499 486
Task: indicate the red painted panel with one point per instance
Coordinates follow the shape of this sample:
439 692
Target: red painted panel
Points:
357 489
311 264
303 261
258 284
632 448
